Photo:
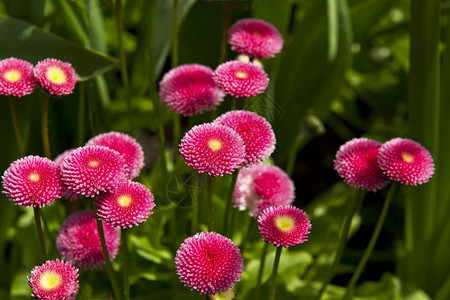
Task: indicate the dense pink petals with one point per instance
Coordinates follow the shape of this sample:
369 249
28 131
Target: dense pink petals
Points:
255 131
90 170
32 180
209 263
261 186
356 163
406 161
55 76
79 242
126 145
255 37
66 192
16 77
240 79
284 225
189 90
212 148
54 280
127 206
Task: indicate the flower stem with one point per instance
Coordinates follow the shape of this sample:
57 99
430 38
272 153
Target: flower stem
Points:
273 279
196 195
262 264
40 233
209 202
15 120
45 138
126 282
229 202
81 113
248 232
162 148
372 242
175 60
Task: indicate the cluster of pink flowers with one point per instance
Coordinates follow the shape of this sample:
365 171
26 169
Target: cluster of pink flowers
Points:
19 78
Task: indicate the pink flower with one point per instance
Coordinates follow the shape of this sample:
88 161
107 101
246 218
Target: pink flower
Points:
255 37
54 280
255 131
240 79
356 163
79 242
129 204
16 77
284 225
212 148
32 180
261 186
127 146
406 161
66 192
90 170
190 90
209 263
55 76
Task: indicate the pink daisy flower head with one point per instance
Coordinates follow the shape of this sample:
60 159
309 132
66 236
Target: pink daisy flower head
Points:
32 181
261 186
284 225
55 76
406 161
127 206
189 90
255 131
126 145
209 263
240 79
255 37
212 148
356 163
66 192
54 280
79 242
90 170
16 77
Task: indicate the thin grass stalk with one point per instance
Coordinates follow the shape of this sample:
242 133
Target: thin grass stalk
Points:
209 180
229 202
15 120
45 139
125 267
273 279
262 264
40 233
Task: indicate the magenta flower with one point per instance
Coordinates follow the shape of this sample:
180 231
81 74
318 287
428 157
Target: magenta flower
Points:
90 170
284 225
406 161
255 131
127 206
261 186
240 79
32 180
66 192
255 37
127 146
356 163
16 77
190 90
212 148
54 280
55 76
208 263
79 242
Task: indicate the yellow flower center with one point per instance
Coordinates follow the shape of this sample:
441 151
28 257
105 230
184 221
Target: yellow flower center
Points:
124 200
12 75
407 157
93 163
241 74
284 223
34 177
50 280
56 75
215 144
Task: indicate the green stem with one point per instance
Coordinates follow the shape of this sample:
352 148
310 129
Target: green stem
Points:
175 31
293 154
40 233
209 202
126 282
224 43
162 147
372 242
229 202
195 201
247 235
15 120
352 209
45 138
262 264
176 136
273 279
81 113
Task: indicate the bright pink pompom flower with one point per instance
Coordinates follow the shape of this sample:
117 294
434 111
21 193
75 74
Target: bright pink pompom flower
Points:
54 280
90 170
356 163
128 205
255 131
406 161
240 79
79 242
284 225
212 148
255 37
126 145
16 77
55 76
32 180
67 193
261 186
190 90
209 263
